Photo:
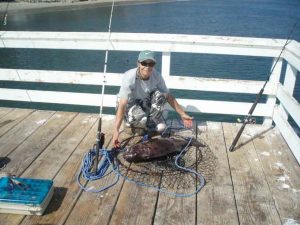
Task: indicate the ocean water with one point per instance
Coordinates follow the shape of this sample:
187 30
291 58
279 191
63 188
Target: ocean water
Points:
245 18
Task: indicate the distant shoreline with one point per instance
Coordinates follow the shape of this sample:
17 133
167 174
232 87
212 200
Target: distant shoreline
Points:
14 7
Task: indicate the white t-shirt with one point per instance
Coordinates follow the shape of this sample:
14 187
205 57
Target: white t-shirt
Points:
133 87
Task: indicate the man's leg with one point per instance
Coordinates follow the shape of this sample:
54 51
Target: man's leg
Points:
135 120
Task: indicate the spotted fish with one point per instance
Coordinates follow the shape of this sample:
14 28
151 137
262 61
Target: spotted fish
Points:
153 149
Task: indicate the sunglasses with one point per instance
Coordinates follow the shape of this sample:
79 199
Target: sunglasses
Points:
150 64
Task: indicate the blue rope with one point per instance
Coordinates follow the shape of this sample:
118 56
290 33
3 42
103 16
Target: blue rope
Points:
104 164
108 158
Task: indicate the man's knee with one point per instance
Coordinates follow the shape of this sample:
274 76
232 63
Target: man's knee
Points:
136 116
158 101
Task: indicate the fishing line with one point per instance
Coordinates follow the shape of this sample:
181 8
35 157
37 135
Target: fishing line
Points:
4 17
283 48
106 57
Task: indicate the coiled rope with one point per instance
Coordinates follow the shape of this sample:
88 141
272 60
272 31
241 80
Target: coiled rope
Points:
107 157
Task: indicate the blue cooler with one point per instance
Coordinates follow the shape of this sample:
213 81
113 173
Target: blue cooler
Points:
24 196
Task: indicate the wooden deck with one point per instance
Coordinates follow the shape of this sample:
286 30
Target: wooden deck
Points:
257 184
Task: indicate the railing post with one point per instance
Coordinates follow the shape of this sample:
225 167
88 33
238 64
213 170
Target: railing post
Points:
165 67
289 85
274 78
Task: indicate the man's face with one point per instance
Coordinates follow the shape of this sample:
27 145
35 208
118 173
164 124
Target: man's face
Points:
146 68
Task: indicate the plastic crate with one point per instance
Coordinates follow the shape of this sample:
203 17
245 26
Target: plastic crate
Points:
24 195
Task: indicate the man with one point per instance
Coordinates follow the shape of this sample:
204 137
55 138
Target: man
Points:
142 96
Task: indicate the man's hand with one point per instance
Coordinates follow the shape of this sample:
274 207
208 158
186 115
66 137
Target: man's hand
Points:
118 121
115 140
187 120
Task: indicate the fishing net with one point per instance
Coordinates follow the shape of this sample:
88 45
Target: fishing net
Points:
164 174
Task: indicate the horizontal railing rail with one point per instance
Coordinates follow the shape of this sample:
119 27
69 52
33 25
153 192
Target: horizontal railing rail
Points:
114 79
272 111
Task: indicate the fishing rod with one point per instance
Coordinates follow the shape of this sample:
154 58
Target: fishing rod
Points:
100 138
249 118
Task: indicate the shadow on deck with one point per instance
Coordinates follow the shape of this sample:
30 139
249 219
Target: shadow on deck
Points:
259 183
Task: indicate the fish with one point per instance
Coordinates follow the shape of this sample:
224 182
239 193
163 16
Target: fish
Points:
154 149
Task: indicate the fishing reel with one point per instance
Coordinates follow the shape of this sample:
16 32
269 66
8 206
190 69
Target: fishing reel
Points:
247 120
12 182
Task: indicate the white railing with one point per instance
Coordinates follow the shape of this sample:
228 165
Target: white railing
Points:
166 43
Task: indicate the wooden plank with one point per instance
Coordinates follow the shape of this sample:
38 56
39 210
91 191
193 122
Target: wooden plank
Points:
68 77
22 131
215 203
88 99
165 65
58 97
282 173
148 37
178 210
58 152
134 41
219 85
11 119
288 85
67 190
23 156
136 204
114 79
288 132
32 147
4 111
291 55
47 165
291 105
224 107
96 208
274 78
253 198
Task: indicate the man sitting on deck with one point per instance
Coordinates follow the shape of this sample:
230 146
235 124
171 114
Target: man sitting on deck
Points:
142 96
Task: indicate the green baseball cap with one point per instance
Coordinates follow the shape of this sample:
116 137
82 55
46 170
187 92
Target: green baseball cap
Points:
146 55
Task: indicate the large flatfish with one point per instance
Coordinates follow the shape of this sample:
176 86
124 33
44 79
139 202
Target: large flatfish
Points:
153 149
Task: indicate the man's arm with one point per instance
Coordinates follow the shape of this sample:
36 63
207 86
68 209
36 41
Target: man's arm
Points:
187 120
119 119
